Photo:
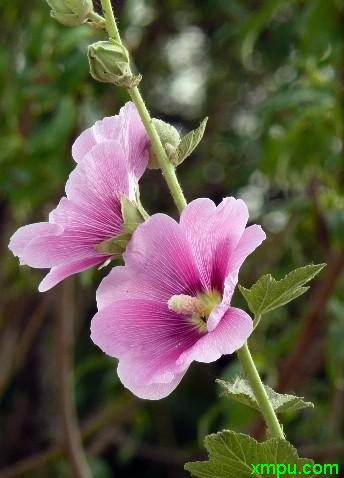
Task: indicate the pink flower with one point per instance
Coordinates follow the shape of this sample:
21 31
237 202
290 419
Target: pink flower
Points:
112 156
170 304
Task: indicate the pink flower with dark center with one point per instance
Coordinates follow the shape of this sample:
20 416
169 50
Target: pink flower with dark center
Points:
170 304
112 156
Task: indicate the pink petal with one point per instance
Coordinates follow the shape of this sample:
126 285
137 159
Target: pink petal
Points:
231 333
148 391
213 234
219 311
159 252
90 213
134 139
252 237
126 128
127 283
101 177
106 129
24 235
148 338
58 273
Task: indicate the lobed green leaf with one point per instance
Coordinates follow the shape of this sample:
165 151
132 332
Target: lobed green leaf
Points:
268 294
231 455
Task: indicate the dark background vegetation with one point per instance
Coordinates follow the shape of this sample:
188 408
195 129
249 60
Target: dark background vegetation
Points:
270 76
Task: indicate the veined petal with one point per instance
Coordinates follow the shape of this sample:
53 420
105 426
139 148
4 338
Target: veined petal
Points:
126 128
251 238
58 273
160 252
213 233
230 334
101 178
127 283
149 339
24 235
134 139
109 128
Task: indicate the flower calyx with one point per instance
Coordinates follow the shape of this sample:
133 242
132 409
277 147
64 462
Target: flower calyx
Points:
169 138
133 215
177 148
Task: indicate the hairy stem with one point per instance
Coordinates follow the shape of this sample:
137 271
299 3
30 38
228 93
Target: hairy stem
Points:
259 391
164 162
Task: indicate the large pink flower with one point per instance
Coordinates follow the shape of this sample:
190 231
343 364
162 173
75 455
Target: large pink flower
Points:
170 304
112 156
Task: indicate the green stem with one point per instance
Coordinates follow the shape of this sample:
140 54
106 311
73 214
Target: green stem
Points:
256 320
259 391
167 168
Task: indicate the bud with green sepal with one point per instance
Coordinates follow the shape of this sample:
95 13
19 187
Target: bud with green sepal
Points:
109 63
169 138
71 12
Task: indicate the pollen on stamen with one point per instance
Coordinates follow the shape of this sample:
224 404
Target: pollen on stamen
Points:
185 304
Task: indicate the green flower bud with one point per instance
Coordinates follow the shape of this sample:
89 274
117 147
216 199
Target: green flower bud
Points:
109 63
169 138
71 12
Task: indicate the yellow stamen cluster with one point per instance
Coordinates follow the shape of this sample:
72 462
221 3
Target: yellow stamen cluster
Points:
198 308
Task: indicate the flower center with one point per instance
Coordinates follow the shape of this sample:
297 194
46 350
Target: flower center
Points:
198 308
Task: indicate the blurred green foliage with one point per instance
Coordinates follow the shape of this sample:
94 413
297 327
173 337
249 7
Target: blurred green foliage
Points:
270 75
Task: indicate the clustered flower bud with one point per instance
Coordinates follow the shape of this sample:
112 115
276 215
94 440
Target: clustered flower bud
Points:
109 63
71 12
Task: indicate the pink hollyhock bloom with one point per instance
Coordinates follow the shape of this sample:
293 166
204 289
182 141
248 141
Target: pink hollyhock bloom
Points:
170 304
112 156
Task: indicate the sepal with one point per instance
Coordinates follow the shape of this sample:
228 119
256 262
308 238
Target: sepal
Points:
132 217
71 12
131 213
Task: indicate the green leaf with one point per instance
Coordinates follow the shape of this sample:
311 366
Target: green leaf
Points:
268 294
188 143
241 391
231 455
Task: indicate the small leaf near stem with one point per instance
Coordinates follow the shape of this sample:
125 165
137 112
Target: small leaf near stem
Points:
268 294
241 391
96 20
188 143
165 164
